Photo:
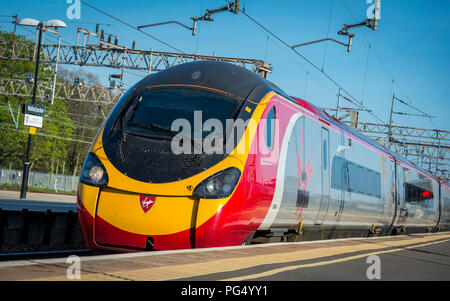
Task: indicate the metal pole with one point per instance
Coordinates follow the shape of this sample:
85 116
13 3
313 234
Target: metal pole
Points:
35 41
151 62
338 103
56 69
26 164
14 36
390 118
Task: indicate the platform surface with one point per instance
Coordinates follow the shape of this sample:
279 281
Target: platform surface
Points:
412 257
37 202
6 195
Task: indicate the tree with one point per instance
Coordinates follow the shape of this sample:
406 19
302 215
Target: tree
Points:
87 117
49 145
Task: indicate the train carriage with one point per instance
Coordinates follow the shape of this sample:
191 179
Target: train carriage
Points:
251 164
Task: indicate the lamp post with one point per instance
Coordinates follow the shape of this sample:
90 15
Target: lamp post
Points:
40 26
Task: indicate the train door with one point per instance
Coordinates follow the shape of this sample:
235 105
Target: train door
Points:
325 175
395 197
402 211
267 165
389 197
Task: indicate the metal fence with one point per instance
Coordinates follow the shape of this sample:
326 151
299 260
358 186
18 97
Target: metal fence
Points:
39 179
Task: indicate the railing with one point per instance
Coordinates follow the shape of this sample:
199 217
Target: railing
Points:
56 182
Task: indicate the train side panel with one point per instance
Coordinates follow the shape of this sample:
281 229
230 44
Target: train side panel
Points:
327 185
419 201
444 223
363 177
331 183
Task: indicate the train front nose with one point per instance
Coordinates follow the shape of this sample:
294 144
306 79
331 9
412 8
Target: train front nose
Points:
117 212
137 221
147 166
161 217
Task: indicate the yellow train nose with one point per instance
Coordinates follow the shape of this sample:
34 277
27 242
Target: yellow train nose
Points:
132 220
145 214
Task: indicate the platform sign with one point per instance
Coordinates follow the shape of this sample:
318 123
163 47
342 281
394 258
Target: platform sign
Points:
34 115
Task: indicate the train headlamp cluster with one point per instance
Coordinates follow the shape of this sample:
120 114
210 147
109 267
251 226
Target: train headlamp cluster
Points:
93 172
219 185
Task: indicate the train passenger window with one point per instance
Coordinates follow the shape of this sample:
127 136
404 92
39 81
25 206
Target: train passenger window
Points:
368 179
352 181
349 176
377 185
371 175
324 154
336 173
269 132
361 186
417 196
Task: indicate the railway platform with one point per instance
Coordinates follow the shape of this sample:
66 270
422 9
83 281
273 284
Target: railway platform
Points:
7 195
409 257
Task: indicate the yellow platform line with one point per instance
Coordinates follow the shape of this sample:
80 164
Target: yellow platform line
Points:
235 264
321 263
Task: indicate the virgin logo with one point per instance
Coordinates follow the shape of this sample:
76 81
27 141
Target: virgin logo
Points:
147 202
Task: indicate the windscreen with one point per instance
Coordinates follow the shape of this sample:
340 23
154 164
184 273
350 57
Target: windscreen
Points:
143 144
155 110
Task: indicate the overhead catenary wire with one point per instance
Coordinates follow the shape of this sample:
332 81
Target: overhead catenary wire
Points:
296 61
411 106
306 84
354 100
365 74
267 48
38 133
360 104
328 33
74 124
140 76
131 26
197 40
380 59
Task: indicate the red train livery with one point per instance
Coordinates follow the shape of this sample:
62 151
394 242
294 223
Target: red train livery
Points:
259 166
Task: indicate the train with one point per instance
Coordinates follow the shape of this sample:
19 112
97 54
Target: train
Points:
280 170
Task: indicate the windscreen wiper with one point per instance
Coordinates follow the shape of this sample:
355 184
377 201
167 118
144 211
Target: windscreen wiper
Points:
130 131
162 129
194 143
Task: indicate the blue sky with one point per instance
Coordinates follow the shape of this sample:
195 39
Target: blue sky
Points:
411 45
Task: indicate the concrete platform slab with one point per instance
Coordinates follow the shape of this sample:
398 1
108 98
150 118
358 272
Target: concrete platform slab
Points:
6 195
286 261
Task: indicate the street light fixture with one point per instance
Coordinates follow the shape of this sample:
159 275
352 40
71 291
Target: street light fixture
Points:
231 7
40 26
370 22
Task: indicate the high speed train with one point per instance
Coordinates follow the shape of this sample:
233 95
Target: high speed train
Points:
290 173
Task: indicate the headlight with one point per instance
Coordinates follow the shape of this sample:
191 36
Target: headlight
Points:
93 173
219 185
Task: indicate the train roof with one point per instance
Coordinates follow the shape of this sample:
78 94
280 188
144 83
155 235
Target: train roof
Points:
356 135
243 84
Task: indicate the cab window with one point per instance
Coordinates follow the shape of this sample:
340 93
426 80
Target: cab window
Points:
269 132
